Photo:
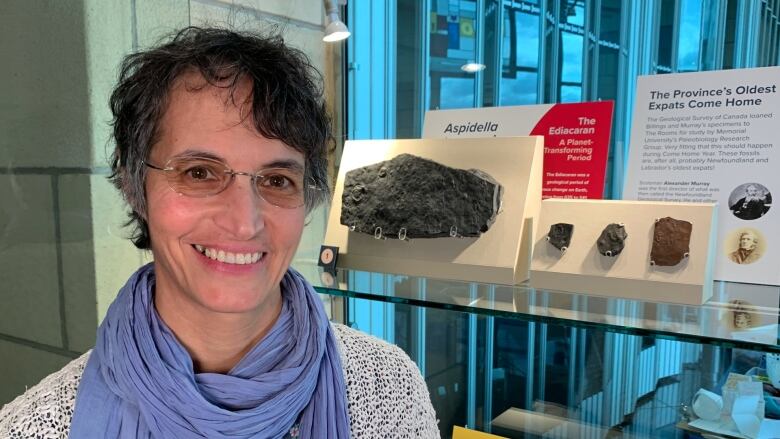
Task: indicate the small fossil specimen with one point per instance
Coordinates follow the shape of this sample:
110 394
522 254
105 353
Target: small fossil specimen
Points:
560 235
612 239
671 240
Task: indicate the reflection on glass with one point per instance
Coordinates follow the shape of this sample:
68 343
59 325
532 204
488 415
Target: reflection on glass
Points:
768 47
665 35
456 92
515 378
730 39
436 38
526 47
520 48
573 12
520 90
409 53
703 323
608 73
571 93
609 26
571 65
452 44
690 34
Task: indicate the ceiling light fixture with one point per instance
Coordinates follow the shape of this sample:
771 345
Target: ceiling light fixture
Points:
472 67
335 30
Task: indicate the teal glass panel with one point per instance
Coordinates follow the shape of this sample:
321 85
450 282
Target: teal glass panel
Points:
452 45
456 92
571 93
609 25
666 36
609 63
520 90
520 49
526 45
573 12
729 40
409 56
571 58
690 36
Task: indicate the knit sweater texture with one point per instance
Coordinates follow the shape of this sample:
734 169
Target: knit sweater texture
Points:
386 395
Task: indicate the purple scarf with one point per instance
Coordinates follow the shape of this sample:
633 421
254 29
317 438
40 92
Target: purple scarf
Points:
139 381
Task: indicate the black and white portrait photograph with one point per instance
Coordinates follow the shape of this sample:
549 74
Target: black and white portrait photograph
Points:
750 201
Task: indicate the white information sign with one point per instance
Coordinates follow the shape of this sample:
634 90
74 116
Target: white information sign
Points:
712 137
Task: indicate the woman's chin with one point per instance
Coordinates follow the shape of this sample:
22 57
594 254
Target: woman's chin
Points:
232 302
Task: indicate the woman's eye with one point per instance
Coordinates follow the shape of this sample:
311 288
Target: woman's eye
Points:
198 173
278 181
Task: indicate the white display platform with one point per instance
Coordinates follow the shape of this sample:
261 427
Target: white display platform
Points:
712 137
501 255
629 275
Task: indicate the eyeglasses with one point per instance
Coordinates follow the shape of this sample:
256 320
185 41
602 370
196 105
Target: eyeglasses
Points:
203 177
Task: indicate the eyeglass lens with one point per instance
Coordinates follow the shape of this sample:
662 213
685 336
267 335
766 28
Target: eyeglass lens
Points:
202 177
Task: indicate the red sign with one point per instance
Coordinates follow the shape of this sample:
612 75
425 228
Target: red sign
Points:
576 147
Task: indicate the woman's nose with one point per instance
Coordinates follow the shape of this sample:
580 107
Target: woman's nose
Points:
243 209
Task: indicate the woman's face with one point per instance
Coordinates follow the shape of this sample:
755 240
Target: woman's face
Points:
235 221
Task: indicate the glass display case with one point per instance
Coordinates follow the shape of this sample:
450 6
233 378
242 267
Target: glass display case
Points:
520 362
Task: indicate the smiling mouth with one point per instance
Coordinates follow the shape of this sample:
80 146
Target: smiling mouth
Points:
228 257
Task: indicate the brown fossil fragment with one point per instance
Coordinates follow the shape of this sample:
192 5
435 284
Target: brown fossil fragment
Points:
671 240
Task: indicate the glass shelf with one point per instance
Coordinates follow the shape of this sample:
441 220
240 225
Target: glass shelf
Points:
711 323
522 362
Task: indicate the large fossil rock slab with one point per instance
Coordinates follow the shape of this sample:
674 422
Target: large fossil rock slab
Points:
671 240
560 235
612 240
413 197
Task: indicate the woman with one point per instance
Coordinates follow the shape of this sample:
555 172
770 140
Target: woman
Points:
220 152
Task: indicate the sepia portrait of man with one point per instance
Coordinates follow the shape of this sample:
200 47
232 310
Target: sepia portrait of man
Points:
747 252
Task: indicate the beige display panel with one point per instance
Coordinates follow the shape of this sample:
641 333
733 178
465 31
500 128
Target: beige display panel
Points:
629 275
501 255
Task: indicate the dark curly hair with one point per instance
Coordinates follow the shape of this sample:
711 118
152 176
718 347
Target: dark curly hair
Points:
286 104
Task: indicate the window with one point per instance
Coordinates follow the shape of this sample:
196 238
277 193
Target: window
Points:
519 56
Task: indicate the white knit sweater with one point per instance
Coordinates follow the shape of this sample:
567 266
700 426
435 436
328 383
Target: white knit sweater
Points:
386 395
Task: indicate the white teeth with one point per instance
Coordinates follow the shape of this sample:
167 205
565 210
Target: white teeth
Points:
229 258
